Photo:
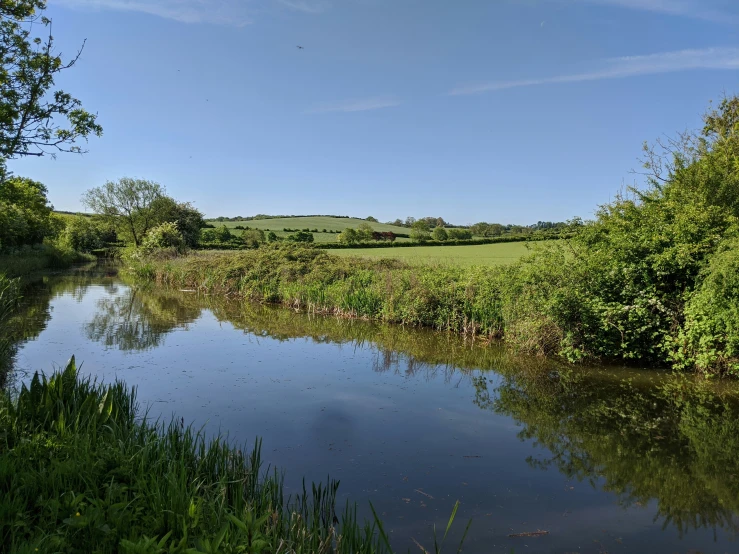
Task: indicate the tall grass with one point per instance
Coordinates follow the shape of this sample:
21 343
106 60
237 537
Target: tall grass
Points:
29 259
82 470
464 300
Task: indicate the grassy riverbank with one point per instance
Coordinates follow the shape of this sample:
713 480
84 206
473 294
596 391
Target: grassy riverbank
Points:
82 470
30 259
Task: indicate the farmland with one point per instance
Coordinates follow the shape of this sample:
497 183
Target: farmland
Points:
335 224
465 256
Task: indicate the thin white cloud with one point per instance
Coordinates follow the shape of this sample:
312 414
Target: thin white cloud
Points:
631 66
305 6
222 12
361 105
709 10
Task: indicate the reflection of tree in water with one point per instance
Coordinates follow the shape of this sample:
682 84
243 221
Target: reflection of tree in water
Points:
676 442
34 310
130 319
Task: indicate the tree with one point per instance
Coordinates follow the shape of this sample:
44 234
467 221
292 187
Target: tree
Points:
189 220
372 219
272 236
82 234
25 212
364 232
301 236
253 237
440 222
409 221
348 236
459 234
420 231
28 106
440 234
127 205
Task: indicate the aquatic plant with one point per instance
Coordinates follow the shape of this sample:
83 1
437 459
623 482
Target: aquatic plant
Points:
82 469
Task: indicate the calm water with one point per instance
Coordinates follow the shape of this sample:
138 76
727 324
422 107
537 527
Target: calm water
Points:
605 460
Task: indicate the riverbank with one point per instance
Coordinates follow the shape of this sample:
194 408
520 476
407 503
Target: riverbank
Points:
556 302
31 259
83 470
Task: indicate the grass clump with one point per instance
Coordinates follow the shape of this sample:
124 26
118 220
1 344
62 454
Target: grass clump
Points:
82 470
28 259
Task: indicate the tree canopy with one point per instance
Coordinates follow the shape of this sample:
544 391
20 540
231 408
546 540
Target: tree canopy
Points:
127 204
30 108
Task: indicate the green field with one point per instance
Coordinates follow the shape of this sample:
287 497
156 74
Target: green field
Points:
329 223
482 254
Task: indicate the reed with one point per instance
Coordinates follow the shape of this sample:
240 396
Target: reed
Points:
82 469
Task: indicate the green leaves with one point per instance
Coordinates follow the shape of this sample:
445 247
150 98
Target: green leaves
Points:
29 108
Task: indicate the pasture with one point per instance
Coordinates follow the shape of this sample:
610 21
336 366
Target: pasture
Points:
308 222
465 256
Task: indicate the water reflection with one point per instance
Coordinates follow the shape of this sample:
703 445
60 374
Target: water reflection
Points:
675 442
659 445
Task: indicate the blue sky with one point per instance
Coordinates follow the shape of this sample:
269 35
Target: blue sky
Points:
500 110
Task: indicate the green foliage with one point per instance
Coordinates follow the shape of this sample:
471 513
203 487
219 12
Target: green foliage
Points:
29 107
301 236
189 221
364 232
82 234
709 339
25 213
348 236
252 238
127 205
439 234
420 231
459 234
271 236
81 470
28 259
164 235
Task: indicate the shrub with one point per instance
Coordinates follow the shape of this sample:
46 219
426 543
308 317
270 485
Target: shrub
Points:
301 236
439 234
165 235
81 234
709 339
253 237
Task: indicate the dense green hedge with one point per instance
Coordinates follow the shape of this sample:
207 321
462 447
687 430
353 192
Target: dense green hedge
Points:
491 240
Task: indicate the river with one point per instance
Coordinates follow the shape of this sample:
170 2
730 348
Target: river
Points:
603 459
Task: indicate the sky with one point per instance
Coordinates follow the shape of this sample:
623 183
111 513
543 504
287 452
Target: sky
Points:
512 111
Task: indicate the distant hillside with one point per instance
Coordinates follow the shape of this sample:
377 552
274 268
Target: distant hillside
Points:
331 224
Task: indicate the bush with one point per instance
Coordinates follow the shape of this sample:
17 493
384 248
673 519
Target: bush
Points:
81 234
710 337
301 236
439 234
165 235
252 238
459 234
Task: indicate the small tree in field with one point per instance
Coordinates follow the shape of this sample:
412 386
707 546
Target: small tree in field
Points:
420 231
301 236
364 232
253 237
348 236
440 234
